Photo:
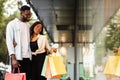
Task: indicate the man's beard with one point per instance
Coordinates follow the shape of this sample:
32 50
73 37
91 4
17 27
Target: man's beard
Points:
25 19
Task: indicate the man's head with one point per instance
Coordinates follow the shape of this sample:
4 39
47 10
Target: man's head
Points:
25 13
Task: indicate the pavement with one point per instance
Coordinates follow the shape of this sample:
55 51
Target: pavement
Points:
101 76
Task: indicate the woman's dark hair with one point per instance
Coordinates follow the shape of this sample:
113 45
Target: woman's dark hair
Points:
33 25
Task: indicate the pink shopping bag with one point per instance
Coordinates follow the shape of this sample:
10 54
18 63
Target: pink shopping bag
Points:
15 76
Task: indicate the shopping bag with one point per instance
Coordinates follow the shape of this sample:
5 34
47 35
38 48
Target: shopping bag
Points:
48 72
57 66
112 67
15 76
44 66
117 73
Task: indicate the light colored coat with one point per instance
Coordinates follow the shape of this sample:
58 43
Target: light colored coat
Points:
43 44
13 33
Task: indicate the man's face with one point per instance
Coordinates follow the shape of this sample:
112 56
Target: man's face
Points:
26 15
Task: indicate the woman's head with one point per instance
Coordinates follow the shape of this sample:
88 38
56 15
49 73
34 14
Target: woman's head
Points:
36 28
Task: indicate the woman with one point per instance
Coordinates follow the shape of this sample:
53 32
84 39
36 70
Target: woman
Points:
39 47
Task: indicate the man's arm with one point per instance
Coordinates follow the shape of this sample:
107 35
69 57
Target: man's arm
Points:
10 38
10 44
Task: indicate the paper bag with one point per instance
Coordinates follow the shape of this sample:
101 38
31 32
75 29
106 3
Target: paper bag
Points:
15 76
112 67
117 72
43 73
57 66
48 72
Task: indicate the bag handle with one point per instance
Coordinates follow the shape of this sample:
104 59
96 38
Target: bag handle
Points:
13 70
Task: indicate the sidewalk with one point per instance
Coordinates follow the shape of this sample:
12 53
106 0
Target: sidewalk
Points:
101 76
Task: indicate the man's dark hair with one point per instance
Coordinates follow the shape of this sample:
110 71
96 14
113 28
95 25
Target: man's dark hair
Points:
25 7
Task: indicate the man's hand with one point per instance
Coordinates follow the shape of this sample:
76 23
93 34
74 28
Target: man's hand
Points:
15 63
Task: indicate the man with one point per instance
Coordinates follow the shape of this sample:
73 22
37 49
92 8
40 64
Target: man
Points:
18 41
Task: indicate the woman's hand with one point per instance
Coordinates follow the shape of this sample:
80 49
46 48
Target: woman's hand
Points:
53 50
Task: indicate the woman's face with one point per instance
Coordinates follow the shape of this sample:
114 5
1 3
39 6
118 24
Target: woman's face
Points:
37 28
